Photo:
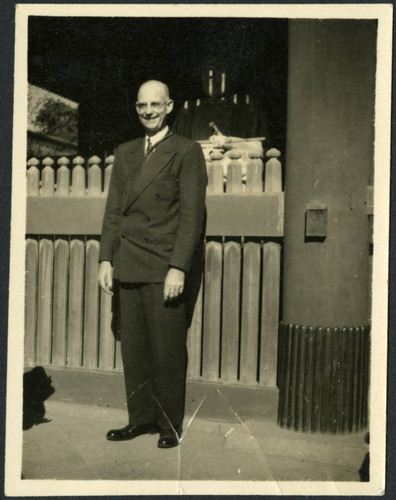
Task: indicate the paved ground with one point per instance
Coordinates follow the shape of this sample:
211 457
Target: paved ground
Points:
230 434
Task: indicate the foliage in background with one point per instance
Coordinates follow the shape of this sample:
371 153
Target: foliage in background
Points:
58 119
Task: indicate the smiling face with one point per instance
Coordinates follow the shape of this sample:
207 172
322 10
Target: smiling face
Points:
153 105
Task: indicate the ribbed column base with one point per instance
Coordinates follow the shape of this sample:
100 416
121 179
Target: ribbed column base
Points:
323 378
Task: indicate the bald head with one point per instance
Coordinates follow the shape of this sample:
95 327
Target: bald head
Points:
156 86
153 106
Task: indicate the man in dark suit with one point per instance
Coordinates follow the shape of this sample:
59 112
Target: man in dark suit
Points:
152 229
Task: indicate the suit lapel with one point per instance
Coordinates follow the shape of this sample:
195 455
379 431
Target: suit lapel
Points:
150 167
135 157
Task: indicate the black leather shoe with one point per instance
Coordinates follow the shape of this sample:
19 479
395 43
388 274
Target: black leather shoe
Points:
169 438
130 432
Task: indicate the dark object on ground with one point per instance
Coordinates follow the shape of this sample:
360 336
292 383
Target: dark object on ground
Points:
131 432
36 389
364 471
169 438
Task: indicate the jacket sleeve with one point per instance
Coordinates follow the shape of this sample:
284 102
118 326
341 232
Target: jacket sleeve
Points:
111 220
192 191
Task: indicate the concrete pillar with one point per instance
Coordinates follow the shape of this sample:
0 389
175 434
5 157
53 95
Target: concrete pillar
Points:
324 340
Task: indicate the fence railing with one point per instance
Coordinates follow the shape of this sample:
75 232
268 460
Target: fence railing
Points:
233 336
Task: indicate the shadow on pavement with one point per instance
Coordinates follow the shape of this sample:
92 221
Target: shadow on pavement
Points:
364 471
37 387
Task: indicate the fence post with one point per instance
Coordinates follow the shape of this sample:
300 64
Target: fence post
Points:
31 282
270 287
231 299
63 177
254 176
47 178
273 172
234 172
215 173
33 178
91 301
45 300
78 176
60 291
94 177
194 338
211 329
250 312
76 300
107 174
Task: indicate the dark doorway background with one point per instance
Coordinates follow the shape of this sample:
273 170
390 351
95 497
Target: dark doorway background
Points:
100 63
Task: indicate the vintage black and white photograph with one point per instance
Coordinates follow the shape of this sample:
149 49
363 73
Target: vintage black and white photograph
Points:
199 250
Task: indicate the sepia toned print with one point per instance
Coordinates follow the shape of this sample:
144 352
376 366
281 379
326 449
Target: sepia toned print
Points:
261 312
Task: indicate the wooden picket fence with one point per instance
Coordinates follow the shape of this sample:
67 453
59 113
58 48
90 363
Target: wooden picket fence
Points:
234 332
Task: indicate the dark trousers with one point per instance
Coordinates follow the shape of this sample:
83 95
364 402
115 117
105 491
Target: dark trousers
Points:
153 346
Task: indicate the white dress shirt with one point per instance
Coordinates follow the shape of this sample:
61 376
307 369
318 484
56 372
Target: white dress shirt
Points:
155 139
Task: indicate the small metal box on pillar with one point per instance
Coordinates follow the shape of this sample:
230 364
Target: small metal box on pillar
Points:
316 221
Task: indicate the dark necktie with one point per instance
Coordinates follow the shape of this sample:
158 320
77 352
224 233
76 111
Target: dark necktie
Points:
149 147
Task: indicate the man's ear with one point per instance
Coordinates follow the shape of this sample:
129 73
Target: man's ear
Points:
169 106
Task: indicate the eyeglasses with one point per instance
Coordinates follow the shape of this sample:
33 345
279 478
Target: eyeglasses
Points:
155 106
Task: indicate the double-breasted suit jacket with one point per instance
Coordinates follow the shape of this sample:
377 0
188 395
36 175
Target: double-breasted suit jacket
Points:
155 209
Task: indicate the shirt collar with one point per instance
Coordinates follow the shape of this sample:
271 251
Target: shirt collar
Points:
154 139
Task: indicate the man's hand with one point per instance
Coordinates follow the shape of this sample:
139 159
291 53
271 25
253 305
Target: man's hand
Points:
106 276
174 284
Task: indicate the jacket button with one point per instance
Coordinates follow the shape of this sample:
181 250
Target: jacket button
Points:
145 239
123 235
148 219
157 196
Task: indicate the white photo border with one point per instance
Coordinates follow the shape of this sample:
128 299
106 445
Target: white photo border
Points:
14 485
